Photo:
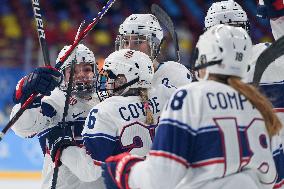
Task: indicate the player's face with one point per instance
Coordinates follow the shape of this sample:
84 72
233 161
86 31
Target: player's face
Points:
136 42
83 73
115 83
201 73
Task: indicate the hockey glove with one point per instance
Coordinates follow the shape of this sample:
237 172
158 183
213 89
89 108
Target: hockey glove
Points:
271 9
59 138
116 170
42 80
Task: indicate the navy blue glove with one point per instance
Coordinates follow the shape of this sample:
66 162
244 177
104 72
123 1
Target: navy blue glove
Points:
42 80
116 170
59 139
271 9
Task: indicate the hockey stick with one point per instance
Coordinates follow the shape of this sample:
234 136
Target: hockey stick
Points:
65 113
70 82
45 52
167 22
83 34
268 56
40 31
58 65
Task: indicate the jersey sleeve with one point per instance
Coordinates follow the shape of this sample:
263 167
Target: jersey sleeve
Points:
257 50
100 133
81 164
277 27
172 149
40 115
173 74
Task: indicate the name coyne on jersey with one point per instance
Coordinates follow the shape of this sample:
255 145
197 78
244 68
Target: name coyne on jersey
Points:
135 110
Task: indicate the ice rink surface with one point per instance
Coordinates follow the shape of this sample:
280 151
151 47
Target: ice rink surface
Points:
20 184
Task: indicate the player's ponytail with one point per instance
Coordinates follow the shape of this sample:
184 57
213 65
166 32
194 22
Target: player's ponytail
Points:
144 98
272 123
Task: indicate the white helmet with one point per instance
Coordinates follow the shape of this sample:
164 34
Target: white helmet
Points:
226 48
226 12
136 66
143 25
81 54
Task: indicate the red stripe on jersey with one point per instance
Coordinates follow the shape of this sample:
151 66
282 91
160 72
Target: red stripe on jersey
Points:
278 185
98 163
278 109
170 156
208 162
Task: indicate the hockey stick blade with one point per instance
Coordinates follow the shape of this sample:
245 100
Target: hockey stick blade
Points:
167 22
268 56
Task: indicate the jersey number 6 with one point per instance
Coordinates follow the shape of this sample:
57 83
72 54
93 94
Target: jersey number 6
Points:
92 118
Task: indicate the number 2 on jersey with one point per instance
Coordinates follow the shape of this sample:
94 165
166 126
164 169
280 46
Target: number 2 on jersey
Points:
137 138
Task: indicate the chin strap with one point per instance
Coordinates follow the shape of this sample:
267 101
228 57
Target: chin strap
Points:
205 65
124 86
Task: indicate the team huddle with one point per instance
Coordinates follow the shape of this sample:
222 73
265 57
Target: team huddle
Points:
140 123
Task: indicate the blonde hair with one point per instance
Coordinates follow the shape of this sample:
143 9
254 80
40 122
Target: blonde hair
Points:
272 122
143 93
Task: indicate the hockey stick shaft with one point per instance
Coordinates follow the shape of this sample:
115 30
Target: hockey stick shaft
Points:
40 32
267 57
65 113
45 52
16 116
84 33
70 82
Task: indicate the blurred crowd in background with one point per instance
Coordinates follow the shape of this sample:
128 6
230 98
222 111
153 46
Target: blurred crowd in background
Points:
19 45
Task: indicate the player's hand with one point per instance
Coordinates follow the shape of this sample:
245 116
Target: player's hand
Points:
271 9
42 80
116 170
59 138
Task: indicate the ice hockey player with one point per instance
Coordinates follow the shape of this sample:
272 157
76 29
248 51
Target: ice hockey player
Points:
272 80
127 121
44 117
143 32
214 133
230 12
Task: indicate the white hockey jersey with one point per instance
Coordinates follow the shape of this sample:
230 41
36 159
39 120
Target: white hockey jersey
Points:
117 124
47 113
171 73
209 137
272 85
